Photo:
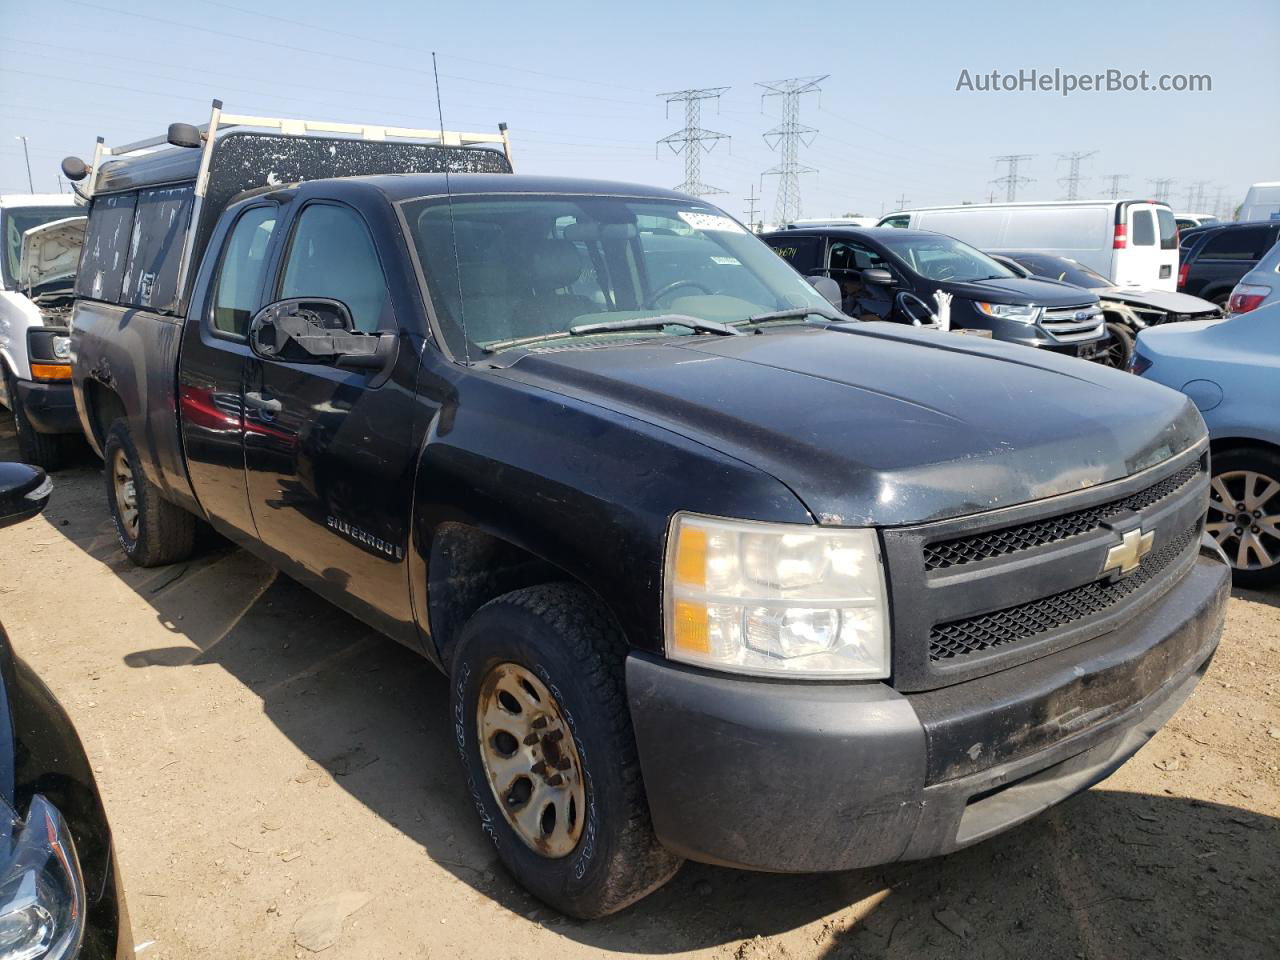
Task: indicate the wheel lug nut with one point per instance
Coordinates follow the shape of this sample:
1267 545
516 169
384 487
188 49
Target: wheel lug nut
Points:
1239 506
1238 531
1257 513
1254 528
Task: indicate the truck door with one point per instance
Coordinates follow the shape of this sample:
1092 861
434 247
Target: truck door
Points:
329 453
1151 257
846 259
215 352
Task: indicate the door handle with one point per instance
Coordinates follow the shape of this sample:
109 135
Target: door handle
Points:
258 402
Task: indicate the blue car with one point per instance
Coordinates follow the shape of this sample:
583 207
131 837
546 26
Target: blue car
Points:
1230 369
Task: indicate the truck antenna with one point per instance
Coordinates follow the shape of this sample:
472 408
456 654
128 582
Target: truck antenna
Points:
453 230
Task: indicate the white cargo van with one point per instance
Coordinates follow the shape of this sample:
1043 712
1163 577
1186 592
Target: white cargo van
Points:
1131 242
1262 202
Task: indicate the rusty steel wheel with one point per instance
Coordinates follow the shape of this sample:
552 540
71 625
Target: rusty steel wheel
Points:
530 760
126 494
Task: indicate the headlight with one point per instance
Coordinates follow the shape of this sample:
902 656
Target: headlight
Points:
41 890
776 599
61 347
1022 313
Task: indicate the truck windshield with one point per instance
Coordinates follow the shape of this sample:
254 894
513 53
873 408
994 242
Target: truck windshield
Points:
937 257
506 268
16 222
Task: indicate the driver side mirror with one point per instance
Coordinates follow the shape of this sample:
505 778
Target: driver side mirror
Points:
878 276
318 330
24 492
829 289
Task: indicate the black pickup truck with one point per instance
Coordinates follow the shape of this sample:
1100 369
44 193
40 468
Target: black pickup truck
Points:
715 573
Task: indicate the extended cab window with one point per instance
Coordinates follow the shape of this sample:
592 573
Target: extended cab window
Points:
242 271
332 256
1236 244
106 247
1144 231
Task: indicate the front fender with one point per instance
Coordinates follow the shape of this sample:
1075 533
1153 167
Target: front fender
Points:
17 315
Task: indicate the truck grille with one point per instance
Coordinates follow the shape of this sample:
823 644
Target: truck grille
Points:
961 637
981 593
949 553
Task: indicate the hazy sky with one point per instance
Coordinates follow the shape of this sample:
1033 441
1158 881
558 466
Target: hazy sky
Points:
577 82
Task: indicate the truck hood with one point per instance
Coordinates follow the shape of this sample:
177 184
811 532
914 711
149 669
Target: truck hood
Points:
879 424
51 252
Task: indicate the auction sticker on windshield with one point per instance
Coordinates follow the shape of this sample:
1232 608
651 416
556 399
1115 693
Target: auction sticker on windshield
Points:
711 221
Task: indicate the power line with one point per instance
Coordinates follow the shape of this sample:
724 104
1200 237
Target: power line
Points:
1113 191
1011 180
1162 186
786 139
1073 178
693 140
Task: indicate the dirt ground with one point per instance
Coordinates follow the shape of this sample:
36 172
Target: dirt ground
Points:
261 754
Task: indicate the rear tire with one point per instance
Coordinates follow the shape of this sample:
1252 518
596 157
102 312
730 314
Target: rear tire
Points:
40 449
152 531
1117 349
1244 513
553 652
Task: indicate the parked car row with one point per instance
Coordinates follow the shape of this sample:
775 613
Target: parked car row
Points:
720 565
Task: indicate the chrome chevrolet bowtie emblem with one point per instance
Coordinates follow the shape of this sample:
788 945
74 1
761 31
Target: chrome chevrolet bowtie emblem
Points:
1126 556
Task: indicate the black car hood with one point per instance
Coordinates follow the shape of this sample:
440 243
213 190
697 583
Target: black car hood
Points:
880 424
1046 293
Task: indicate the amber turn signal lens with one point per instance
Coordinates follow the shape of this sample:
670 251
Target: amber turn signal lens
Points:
51 371
692 632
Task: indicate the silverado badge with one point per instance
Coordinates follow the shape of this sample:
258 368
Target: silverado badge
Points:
1126 556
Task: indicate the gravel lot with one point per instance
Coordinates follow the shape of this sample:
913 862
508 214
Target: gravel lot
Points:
268 762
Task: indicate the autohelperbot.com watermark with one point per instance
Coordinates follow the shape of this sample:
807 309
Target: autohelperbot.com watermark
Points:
1065 83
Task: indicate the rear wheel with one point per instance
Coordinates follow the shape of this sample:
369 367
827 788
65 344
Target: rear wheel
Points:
1244 514
34 447
1117 349
544 733
151 530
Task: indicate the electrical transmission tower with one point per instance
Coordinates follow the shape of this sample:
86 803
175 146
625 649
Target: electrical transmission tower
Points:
1073 178
1195 196
751 210
902 202
1162 186
693 140
1113 192
1011 180
786 138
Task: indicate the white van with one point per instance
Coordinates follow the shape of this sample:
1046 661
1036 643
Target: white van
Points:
1131 242
1262 202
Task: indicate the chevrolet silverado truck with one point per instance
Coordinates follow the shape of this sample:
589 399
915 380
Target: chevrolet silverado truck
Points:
713 572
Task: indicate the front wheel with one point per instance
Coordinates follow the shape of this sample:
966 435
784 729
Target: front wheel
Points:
152 531
543 730
1117 349
1244 514
33 447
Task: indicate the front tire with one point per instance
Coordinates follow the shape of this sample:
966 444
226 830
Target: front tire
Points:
34 447
152 531
544 734
1244 514
1118 347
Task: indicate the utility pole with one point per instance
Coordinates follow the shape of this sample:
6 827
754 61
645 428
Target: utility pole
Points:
1113 192
1011 180
1073 178
751 210
1162 186
693 139
902 201
786 139
26 156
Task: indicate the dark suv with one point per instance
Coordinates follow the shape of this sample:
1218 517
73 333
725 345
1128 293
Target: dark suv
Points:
1215 258
887 273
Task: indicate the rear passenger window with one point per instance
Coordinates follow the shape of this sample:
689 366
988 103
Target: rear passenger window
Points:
332 256
1144 230
242 270
1246 243
160 223
801 252
106 247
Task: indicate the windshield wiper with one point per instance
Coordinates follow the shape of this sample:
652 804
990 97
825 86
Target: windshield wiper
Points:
795 313
610 326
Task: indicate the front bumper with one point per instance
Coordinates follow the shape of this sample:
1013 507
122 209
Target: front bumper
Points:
809 777
50 407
